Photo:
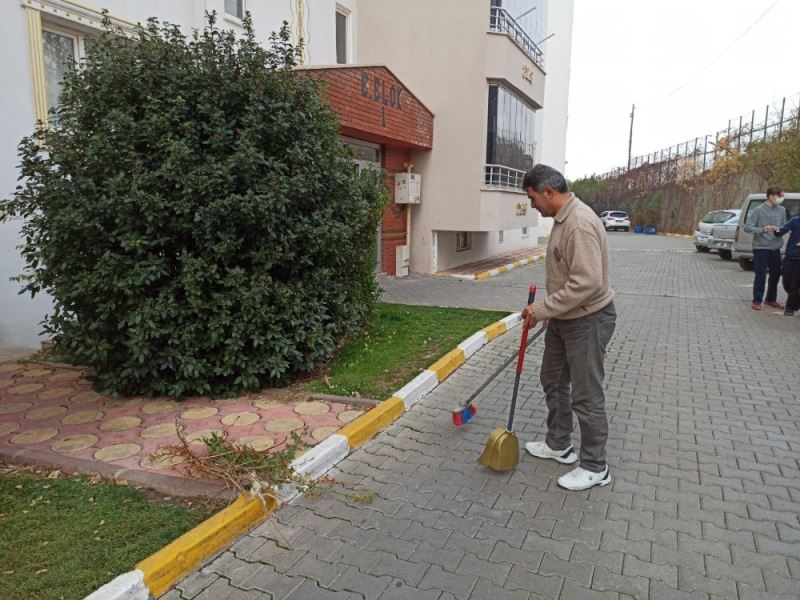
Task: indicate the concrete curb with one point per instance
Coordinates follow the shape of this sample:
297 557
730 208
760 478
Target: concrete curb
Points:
160 571
498 270
164 484
680 235
157 573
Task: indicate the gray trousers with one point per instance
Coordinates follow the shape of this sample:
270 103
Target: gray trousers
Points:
574 351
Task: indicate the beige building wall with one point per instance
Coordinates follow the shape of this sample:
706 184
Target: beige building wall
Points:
443 51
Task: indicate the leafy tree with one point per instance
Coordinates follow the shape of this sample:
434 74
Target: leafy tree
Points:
194 216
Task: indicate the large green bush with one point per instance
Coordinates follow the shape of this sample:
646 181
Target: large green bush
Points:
194 216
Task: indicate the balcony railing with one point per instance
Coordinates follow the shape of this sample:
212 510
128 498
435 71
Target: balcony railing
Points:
500 20
498 177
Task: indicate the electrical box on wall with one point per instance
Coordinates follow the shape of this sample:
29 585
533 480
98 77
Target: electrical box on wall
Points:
407 188
401 261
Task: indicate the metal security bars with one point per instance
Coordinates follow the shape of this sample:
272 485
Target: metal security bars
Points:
498 177
696 157
500 20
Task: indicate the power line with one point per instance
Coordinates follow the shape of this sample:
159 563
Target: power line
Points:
715 59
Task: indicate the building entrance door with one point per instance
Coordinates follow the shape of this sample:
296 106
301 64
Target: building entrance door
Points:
367 157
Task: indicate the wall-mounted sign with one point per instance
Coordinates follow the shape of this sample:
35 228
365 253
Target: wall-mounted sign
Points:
527 74
375 89
522 209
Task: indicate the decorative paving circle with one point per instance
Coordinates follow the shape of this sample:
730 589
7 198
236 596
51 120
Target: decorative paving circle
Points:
196 437
55 393
37 372
34 436
283 425
201 412
161 461
117 452
45 412
25 388
65 376
265 403
74 443
10 368
6 428
161 430
312 408
256 442
84 416
320 433
86 397
348 415
120 424
158 407
240 419
14 407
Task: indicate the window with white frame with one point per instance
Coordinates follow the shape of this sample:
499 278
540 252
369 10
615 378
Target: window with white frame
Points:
463 240
342 35
525 232
500 236
235 8
62 47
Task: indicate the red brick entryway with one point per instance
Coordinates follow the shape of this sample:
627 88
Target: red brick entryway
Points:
375 107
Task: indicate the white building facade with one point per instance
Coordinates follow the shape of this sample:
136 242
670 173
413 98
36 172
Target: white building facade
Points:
496 84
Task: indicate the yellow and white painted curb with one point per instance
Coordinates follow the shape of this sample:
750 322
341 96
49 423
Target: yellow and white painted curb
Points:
156 574
498 270
680 235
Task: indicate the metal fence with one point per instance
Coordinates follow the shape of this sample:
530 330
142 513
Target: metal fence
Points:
694 158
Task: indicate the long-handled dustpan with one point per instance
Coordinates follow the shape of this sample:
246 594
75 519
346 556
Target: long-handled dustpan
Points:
502 448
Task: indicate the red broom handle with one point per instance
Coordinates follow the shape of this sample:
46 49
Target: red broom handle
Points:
523 343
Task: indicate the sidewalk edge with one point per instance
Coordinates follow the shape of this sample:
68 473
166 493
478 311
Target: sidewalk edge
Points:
159 572
502 269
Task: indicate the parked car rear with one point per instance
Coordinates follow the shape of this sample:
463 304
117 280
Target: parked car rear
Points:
715 217
615 219
721 238
743 241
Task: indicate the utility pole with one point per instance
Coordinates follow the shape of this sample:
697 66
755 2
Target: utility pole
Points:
630 137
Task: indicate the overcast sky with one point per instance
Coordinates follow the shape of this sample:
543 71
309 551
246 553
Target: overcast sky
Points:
634 51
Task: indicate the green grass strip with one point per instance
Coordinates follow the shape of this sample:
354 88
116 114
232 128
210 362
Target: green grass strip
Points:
398 342
64 538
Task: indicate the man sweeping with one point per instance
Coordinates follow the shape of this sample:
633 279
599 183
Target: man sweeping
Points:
579 309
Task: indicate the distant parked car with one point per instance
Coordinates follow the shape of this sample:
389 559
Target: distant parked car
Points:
615 219
721 238
743 241
715 217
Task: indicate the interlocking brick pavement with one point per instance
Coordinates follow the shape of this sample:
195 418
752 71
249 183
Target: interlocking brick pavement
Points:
703 443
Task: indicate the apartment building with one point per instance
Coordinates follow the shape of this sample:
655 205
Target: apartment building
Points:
453 100
483 68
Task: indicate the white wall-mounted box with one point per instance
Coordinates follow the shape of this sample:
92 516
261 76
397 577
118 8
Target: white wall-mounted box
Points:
407 188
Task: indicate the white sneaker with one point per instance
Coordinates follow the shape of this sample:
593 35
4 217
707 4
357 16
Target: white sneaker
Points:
542 450
581 479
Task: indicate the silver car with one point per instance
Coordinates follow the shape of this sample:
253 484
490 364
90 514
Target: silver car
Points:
721 236
715 217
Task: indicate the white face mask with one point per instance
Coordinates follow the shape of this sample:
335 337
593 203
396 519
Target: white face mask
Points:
779 200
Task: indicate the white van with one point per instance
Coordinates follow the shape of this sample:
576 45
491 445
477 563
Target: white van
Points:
743 241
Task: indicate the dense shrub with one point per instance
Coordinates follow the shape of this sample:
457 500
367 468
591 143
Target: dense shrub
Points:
194 216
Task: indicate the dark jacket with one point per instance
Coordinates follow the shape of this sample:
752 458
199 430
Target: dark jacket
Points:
793 245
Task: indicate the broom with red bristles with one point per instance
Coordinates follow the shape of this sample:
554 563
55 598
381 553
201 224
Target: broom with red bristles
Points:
464 413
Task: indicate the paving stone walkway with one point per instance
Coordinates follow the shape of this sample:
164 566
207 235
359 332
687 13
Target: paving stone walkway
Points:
704 404
50 414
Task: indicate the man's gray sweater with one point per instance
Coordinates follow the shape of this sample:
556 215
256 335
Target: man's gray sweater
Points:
761 216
